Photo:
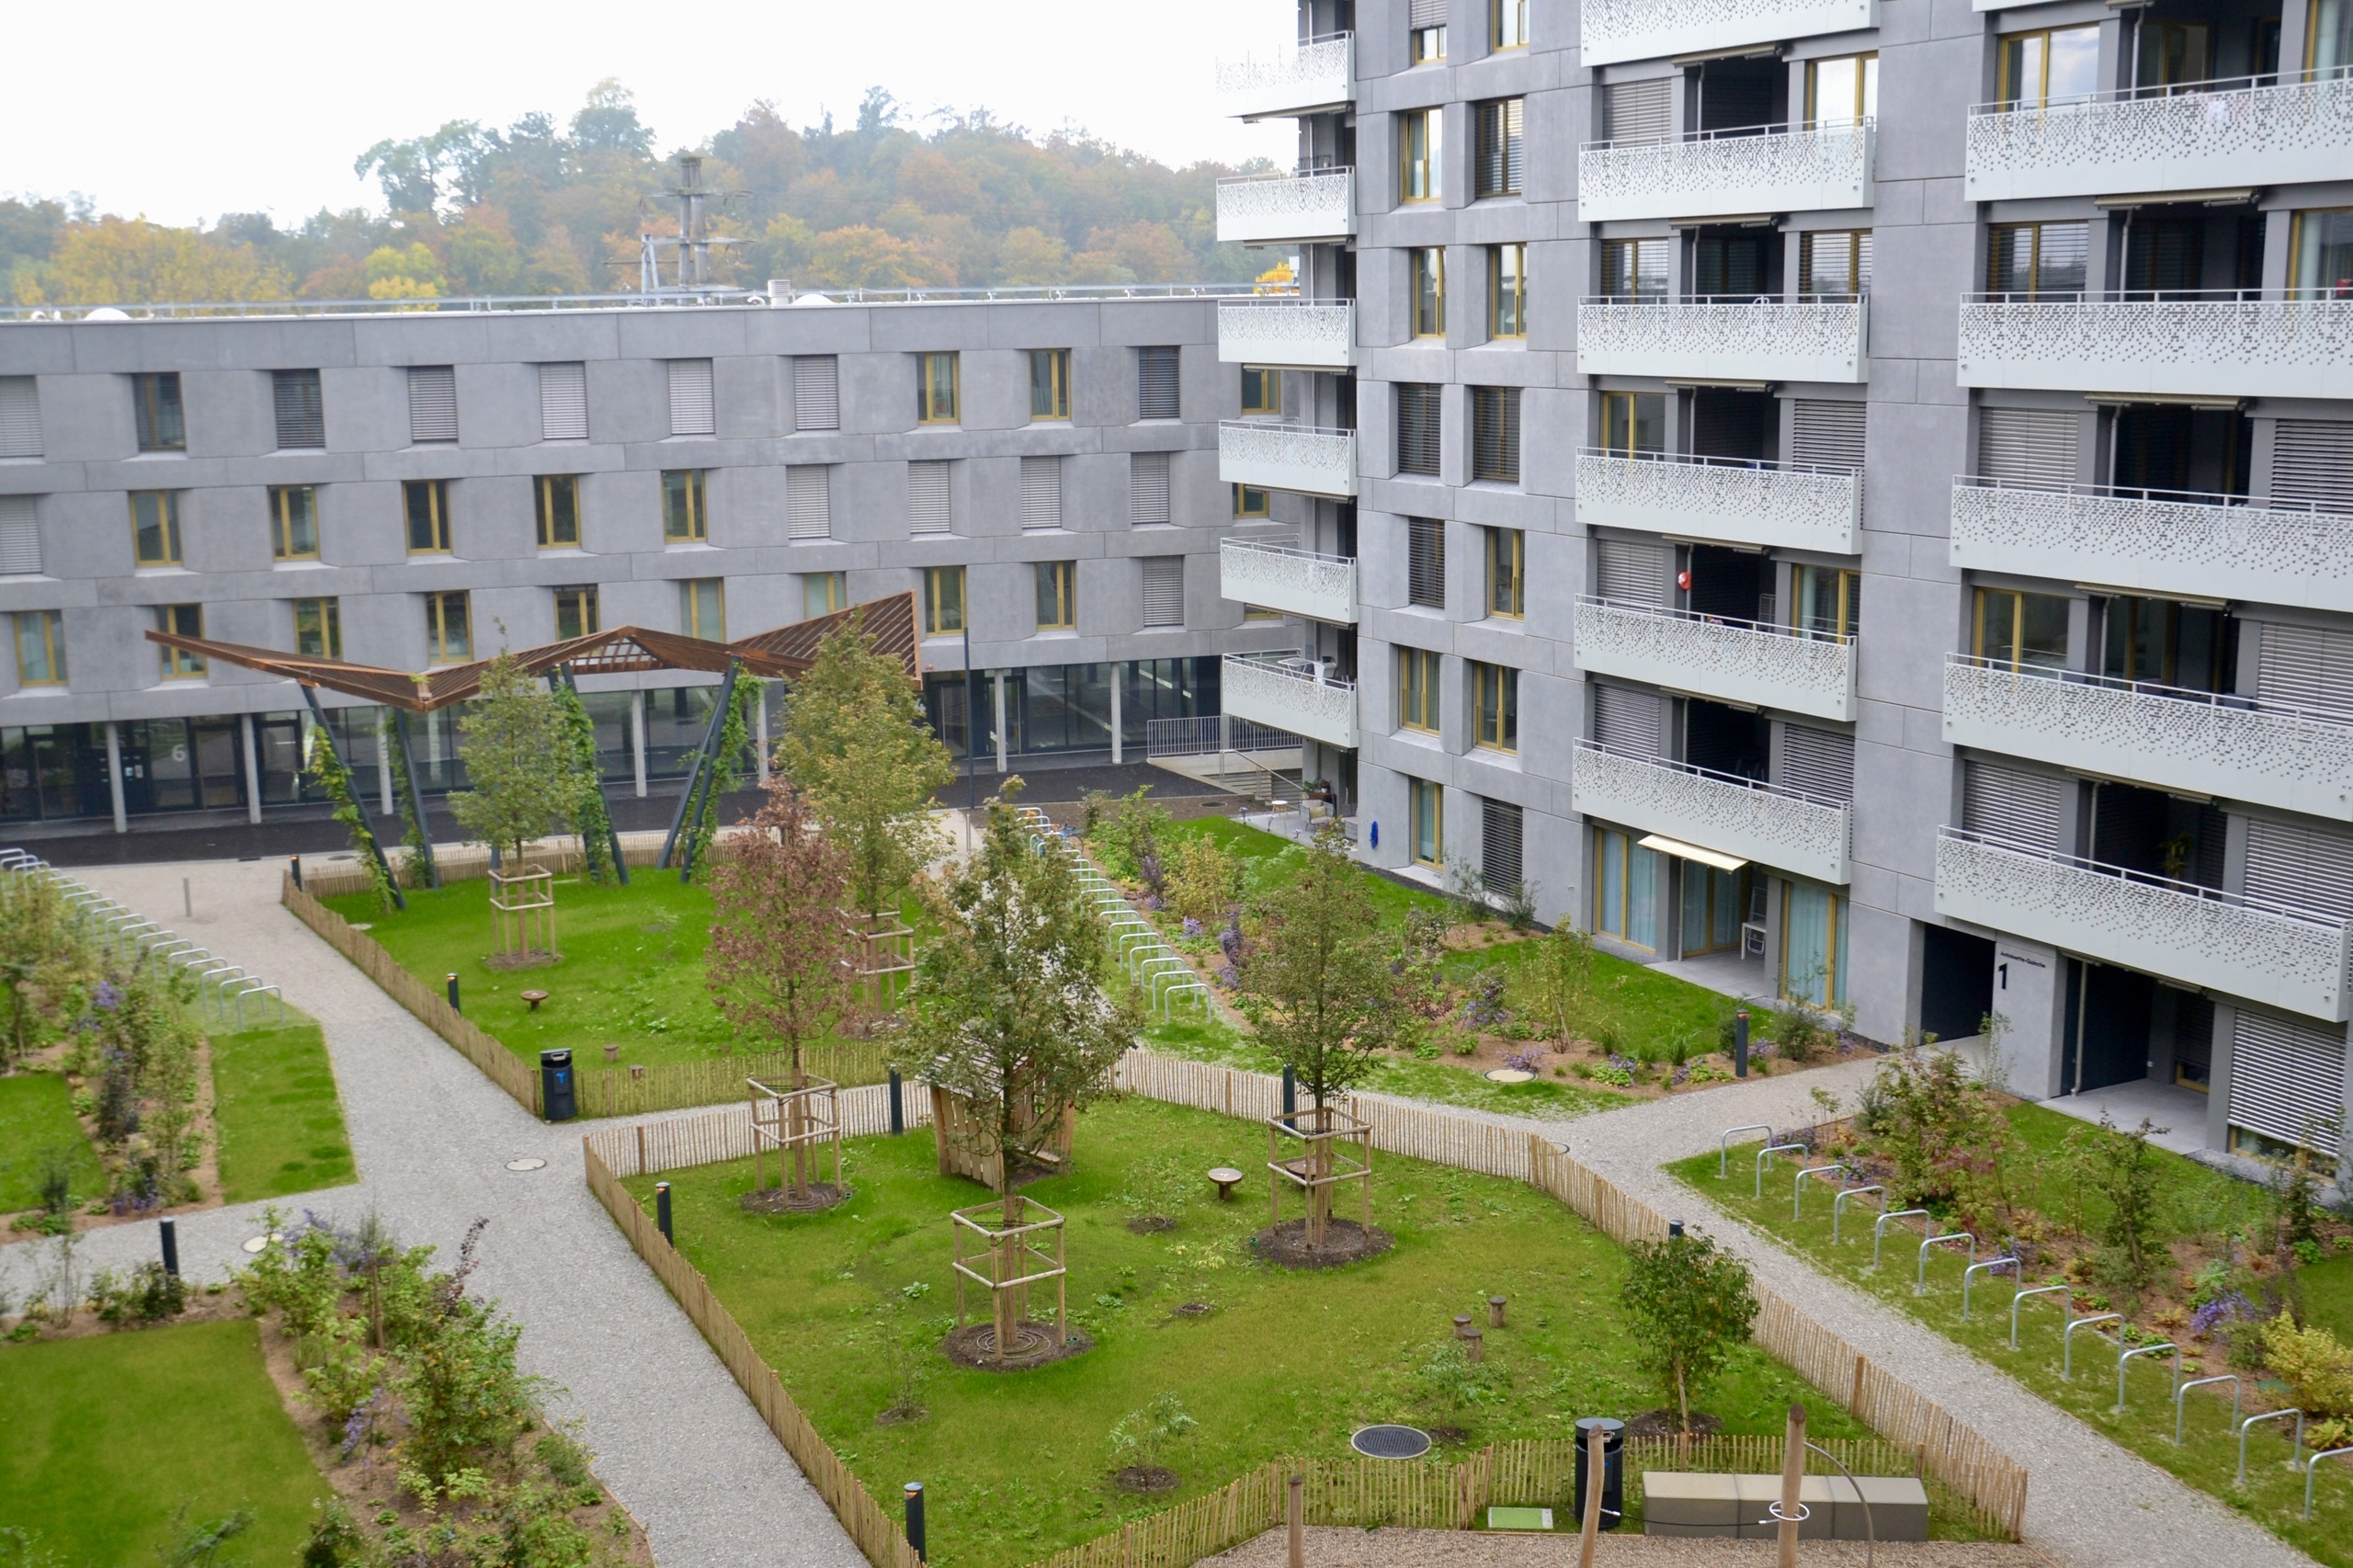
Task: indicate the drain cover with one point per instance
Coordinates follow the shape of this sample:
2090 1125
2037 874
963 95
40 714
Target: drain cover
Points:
1508 1076
528 1162
1387 1442
254 1243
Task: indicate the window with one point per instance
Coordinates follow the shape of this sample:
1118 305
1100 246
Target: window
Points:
559 497
1507 292
702 608
1148 489
1057 596
19 416
2328 38
578 612
1501 145
2053 66
930 504
2022 631
823 592
1506 573
428 505
155 399
1625 888
1426 34
1834 263
692 411
816 391
1429 285
684 520
181 620
1426 803
1048 383
1634 269
935 388
563 402
1634 423
1639 112
156 528
1421 147
1499 847
1813 944
1250 502
1417 689
41 647
1507 24
1830 601
943 600
318 629
293 523
301 418
1417 429
1262 391
1041 493
432 403
1426 563
2030 259
1495 707
2173 53
1494 434
1164 590
1843 90
2320 254
809 501
19 535
1159 382
448 628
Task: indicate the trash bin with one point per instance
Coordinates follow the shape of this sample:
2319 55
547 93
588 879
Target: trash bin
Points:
1613 1470
557 1100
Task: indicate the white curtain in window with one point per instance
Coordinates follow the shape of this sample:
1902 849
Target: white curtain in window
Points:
1812 945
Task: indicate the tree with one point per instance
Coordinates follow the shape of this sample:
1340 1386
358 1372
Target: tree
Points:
1559 979
589 818
1317 986
1690 1307
2122 1169
130 260
518 760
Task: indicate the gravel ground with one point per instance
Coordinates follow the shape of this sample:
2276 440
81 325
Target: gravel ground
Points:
675 1440
1337 1547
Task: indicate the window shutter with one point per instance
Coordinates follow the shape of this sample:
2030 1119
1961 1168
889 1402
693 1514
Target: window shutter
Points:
1426 563
1418 428
2012 804
563 402
1494 434
690 405
2304 867
1041 493
1820 762
2027 446
1157 384
1499 862
2286 1078
1148 489
808 501
19 416
1636 111
1629 573
2309 666
1825 431
1500 147
816 393
929 508
1427 13
2312 460
432 402
1625 720
301 418
1515 143
1164 590
20 534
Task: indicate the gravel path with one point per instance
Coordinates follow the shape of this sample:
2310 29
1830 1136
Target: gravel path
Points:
675 1440
1340 1547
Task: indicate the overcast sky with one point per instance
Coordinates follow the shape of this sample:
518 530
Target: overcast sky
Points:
184 111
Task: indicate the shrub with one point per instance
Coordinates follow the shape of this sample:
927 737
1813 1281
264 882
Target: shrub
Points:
345 1376
1690 1307
1141 1436
2122 1168
2316 1366
1122 835
1204 879
1456 1381
148 1295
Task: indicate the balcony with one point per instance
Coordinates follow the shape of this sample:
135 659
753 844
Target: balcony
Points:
2160 543
1778 827
2195 344
2271 754
1302 459
1297 581
1258 210
2193 935
1290 694
1761 339
2197 136
1738 661
1726 173
1290 335
1611 30
1303 79
1778 505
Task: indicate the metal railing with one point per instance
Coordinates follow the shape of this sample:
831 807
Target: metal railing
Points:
1699 617
1209 733
2152 494
2262 707
1762 786
1696 459
2085 863
2167 90
1726 132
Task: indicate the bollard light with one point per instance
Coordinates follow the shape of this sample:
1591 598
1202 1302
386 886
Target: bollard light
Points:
295 865
171 1238
453 992
898 1104
1740 1043
915 1518
662 1211
1290 1092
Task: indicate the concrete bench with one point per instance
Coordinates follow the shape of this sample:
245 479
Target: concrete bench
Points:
1679 1503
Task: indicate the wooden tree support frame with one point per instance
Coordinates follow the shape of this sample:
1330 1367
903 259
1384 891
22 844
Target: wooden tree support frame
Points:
796 1123
522 914
1012 1255
1327 1135
885 958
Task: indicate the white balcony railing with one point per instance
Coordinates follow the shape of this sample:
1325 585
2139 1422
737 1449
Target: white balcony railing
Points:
1738 661
1761 339
2193 935
1305 459
1305 335
1317 74
2201 742
1611 31
1719 174
1791 506
2194 136
1273 209
1290 694
2229 547
1784 828
2191 344
1297 581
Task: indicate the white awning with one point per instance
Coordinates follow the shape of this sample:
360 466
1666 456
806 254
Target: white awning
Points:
1683 851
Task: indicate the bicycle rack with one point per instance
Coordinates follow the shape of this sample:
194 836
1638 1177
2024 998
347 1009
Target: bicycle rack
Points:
1879 1230
1969 1275
1920 1280
2067 1362
2181 1393
2124 1356
2270 1415
2311 1469
1766 1153
1838 1205
1723 1150
1797 1187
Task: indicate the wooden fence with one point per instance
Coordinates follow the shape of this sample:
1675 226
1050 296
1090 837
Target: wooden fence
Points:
650 1148
470 862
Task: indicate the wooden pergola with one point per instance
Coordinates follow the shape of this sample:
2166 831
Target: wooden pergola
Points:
780 654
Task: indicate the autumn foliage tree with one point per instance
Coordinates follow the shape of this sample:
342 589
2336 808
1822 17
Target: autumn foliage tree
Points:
1317 985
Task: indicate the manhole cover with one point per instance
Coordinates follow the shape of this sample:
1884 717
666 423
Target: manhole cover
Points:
254 1243
1387 1442
1508 1076
528 1162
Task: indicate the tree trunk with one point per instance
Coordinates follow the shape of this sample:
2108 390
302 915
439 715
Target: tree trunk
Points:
1682 1397
1005 1299
800 1120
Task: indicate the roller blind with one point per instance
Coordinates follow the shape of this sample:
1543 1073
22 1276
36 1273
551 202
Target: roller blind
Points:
808 500
2288 1080
1418 428
929 508
19 416
2312 460
691 406
1148 488
1625 720
1041 493
432 402
1636 111
20 534
1164 590
1157 383
1629 573
2029 446
1828 432
1499 863
1501 141
2011 804
1426 563
563 402
2310 666
1494 434
1427 13
2305 867
1820 762
302 416
816 393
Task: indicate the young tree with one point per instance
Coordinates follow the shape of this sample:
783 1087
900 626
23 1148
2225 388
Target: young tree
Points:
517 759
1691 1307
1317 986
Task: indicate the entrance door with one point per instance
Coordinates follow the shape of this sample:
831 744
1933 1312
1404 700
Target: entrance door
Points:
1715 903
2107 1026
219 763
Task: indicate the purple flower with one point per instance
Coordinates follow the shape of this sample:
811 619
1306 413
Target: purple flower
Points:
2222 1309
1192 925
1525 1062
1229 942
108 997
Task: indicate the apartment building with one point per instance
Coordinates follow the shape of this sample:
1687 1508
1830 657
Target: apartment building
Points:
407 488
1854 497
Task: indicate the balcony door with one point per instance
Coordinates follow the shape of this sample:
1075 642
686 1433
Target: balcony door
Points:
2171 251
2157 834
1733 584
1727 740
2110 1011
2164 446
1729 424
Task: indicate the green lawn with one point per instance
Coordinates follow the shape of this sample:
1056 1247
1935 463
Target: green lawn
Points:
36 1118
1017 1465
280 1120
2199 1198
1256 847
108 1437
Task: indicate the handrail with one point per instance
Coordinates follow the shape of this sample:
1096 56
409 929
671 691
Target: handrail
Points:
2151 492
2182 1389
2148 878
2252 294
1736 132
1766 1153
2124 1356
1838 1205
2270 1415
1797 1187
2269 81
1762 786
1253 545
1879 1230
1969 1275
2067 1362
1765 628
1920 1281
1293 666
2068 1306
2338 717
1701 460
1792 298
1287 174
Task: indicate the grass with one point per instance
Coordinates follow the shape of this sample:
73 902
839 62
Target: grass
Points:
1255 848
849 1308
110 1436
281 1122
2208 1460
37 1116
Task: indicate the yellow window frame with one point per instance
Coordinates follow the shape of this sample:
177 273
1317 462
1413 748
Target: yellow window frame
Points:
1421 146
1419 674
686 515
293 522
185 621
1507 25
1507 572
318 628
1057 596
1494 711
937 389
1427 289
155 540
943 600
703 607
44 632
1262 390
559 510
436 519
1507 278
1048 384
578 612
439 623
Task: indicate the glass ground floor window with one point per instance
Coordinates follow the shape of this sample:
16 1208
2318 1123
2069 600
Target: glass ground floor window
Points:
1813 944
1425 807
1052 709
1625 888
1714 904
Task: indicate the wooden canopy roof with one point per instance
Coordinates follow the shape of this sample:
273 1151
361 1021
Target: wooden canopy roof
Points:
786 652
